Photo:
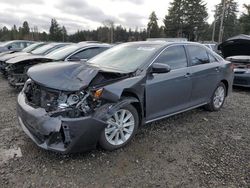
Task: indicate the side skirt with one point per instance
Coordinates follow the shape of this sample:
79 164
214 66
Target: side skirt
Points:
175 113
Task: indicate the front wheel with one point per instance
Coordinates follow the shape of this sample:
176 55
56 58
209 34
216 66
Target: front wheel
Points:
121 128
218 98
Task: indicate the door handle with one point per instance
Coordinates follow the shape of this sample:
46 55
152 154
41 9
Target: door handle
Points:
187 75
218 69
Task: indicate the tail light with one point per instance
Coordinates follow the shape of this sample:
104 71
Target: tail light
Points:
248 66
232 66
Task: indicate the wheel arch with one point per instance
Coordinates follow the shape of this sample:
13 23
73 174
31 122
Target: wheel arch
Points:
225 82
137 104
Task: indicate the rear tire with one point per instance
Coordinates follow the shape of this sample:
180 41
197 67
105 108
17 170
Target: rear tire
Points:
218 98
121 128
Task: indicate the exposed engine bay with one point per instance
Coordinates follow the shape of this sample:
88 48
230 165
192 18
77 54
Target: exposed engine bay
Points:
61 103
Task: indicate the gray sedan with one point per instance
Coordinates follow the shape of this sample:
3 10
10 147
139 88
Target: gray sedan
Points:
73 107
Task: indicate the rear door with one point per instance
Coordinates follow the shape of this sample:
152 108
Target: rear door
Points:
205 73
170 92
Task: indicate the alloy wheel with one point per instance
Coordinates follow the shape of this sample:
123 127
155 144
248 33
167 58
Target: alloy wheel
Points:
219 97
120 127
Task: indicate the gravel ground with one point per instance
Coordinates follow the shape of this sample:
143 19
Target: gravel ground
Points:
193 149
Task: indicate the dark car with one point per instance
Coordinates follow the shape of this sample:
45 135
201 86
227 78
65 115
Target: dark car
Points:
73 107
75 52
14 45
237 50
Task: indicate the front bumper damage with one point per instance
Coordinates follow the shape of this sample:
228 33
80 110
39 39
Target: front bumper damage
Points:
63 135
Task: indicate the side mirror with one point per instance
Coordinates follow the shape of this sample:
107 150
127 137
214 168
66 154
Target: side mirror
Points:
160 68
9 47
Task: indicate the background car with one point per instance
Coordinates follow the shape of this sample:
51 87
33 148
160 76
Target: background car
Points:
15 45
26 57
237 50
73 107
11 54
75 52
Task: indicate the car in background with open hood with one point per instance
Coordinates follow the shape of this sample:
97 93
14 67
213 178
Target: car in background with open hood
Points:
237 50
75 52
73 107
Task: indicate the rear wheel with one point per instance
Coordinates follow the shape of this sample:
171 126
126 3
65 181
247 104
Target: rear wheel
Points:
121 128
218 98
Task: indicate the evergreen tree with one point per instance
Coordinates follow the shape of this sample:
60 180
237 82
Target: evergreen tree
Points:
65 34
195 18
55 31
231 23
26 28
153 28
245 20
173 21
186 18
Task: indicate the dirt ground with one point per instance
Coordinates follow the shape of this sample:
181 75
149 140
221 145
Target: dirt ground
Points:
193 149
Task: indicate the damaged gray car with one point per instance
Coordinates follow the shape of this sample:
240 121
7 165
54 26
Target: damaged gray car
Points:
74 107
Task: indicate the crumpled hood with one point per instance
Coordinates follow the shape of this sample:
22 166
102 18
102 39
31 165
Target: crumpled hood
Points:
238 45
25 58
65 76
12 55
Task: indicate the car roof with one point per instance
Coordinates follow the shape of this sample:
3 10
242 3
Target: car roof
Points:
83 44
163 43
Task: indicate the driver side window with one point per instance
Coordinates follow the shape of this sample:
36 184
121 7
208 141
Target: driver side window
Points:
174 56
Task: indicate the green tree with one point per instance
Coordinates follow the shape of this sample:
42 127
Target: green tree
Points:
186 18
64 33
153 28
195 18
26 28
245 20
173 21
231 23
55 31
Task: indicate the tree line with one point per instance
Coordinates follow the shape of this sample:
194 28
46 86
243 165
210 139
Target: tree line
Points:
185 18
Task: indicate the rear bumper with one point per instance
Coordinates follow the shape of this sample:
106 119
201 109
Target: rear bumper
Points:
242 80
63 135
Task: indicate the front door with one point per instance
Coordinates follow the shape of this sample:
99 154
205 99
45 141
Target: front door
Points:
170 92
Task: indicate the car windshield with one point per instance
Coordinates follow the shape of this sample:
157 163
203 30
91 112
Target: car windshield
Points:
43 49
125 57
62 53
31 47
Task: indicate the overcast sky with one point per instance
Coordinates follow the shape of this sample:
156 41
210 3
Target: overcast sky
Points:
88 14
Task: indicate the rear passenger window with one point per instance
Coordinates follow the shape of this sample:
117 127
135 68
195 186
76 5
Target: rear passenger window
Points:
198 55
174 56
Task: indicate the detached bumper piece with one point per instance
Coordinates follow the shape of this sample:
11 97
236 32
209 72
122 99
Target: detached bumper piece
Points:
63 135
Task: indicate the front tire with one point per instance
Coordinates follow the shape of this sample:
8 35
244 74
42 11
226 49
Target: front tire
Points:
218 98
121 128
